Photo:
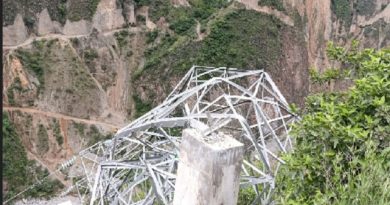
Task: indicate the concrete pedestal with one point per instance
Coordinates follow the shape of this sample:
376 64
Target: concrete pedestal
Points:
209 170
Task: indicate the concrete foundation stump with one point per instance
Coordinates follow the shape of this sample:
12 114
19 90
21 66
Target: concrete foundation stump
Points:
209 169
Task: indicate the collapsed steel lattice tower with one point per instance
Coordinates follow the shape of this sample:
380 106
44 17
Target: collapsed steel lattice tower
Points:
138 165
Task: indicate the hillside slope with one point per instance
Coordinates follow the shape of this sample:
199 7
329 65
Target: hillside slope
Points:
77 70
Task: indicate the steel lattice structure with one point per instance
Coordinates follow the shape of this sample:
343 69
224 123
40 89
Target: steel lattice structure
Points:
138 165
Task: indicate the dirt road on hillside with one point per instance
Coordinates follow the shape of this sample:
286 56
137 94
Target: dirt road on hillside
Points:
253 4
61 116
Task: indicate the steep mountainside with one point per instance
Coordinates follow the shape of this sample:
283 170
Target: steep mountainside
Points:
76 70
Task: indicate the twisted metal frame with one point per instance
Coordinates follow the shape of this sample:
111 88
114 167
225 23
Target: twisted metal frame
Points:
138 165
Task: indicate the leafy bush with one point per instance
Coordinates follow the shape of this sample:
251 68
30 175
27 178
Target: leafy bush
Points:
80 127
43 140
342 10
16 85
122 37
151 36
342 149
82 9
182 25
57 133
14 159
365 7
224 46
18 171
95 136
141 107
276 4
34 62
90 55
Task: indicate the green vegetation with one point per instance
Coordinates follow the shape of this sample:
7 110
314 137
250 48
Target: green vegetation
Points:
342 9
57 133
62 11
224 46
246 196
80 127
90 55
365 7
18 171
56 8
43 140
342 149
94 136
47 188
33 61
16 85
141 19
276 4
141 107
14 159
182 19
182 25
151 36
82 9
122 37
329 74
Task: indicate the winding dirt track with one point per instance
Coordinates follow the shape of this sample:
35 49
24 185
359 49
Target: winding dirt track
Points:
253 4
60 116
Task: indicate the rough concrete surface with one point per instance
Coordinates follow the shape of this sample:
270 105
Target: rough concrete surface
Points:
209 170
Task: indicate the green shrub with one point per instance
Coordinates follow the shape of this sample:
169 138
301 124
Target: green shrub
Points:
43 140
90 55
57 133
276 4
224 46
95 136
365 7
342 9
151 36
14 159
141 107
82 9
141 19
182 25
342 149
80 127
33 61
122 37
246 196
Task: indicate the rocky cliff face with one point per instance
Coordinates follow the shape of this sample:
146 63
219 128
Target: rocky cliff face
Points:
81 69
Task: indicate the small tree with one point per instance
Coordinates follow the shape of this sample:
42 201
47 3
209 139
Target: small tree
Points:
342 153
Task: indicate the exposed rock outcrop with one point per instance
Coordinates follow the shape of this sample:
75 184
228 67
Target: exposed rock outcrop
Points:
45 24
107 16
16 33
81 27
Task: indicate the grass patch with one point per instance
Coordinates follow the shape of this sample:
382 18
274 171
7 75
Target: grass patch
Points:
57 133
82 9
275 4
122 37
43 140
342 9
365 7
33 61
141 107
95 136
80 127
89 56
14 159
18 171
182 19
16 85
151 36
260 48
